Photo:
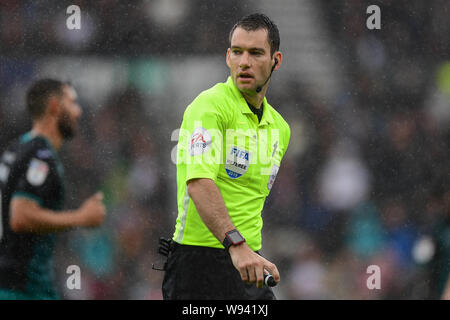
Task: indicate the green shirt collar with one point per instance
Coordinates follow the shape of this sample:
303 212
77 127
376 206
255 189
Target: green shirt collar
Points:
267 115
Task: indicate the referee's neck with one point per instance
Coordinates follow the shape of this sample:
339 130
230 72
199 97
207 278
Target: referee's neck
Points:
255 100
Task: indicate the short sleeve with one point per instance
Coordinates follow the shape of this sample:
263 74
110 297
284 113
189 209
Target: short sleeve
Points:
34 181
201 138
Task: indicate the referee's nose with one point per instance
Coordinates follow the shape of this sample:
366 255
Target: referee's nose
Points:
244 63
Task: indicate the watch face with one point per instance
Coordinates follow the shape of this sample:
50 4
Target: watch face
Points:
235 237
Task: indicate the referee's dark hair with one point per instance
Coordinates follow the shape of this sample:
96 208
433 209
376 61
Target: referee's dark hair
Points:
39 93
255 21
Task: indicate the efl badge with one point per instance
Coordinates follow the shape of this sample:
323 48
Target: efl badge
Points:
200 141
273 175
37 172
237 162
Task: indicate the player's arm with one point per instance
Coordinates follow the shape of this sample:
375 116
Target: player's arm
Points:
211 207
26 215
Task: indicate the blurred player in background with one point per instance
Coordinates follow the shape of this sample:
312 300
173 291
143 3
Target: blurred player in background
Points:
32 194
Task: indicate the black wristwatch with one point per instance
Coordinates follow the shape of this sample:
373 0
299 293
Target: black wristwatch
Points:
232 238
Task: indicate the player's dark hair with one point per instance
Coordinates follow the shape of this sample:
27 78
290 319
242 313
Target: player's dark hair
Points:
39 93
256 21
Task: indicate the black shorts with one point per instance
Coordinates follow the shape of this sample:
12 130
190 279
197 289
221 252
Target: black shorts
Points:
200 273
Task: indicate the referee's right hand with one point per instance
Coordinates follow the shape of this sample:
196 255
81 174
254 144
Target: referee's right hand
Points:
251 265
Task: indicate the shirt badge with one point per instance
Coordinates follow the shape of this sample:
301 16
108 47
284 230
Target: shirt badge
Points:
200 142
237 162
37 172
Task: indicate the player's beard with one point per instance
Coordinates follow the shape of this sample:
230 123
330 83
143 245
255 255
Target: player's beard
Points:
66 126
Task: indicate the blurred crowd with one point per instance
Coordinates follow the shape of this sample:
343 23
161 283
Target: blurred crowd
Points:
372 186
129 28
365 180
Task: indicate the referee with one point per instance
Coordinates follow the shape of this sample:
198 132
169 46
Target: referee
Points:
229 151
32 195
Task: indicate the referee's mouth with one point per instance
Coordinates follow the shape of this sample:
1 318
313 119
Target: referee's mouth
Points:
243 76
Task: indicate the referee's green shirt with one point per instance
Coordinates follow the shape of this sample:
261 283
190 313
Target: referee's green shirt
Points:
221 139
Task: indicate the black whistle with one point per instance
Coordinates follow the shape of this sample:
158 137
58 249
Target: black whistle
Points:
269 280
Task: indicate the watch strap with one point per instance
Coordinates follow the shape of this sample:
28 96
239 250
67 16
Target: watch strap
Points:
232 238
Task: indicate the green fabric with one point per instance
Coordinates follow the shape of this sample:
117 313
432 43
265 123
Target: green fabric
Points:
17 295
27 195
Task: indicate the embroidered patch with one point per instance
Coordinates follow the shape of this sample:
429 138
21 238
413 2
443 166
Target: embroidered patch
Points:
201 141
237 162
37 172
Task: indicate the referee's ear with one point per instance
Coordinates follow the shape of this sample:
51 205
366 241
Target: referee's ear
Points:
227 58
278 56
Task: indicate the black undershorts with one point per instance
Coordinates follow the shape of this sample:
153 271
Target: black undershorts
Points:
203 273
